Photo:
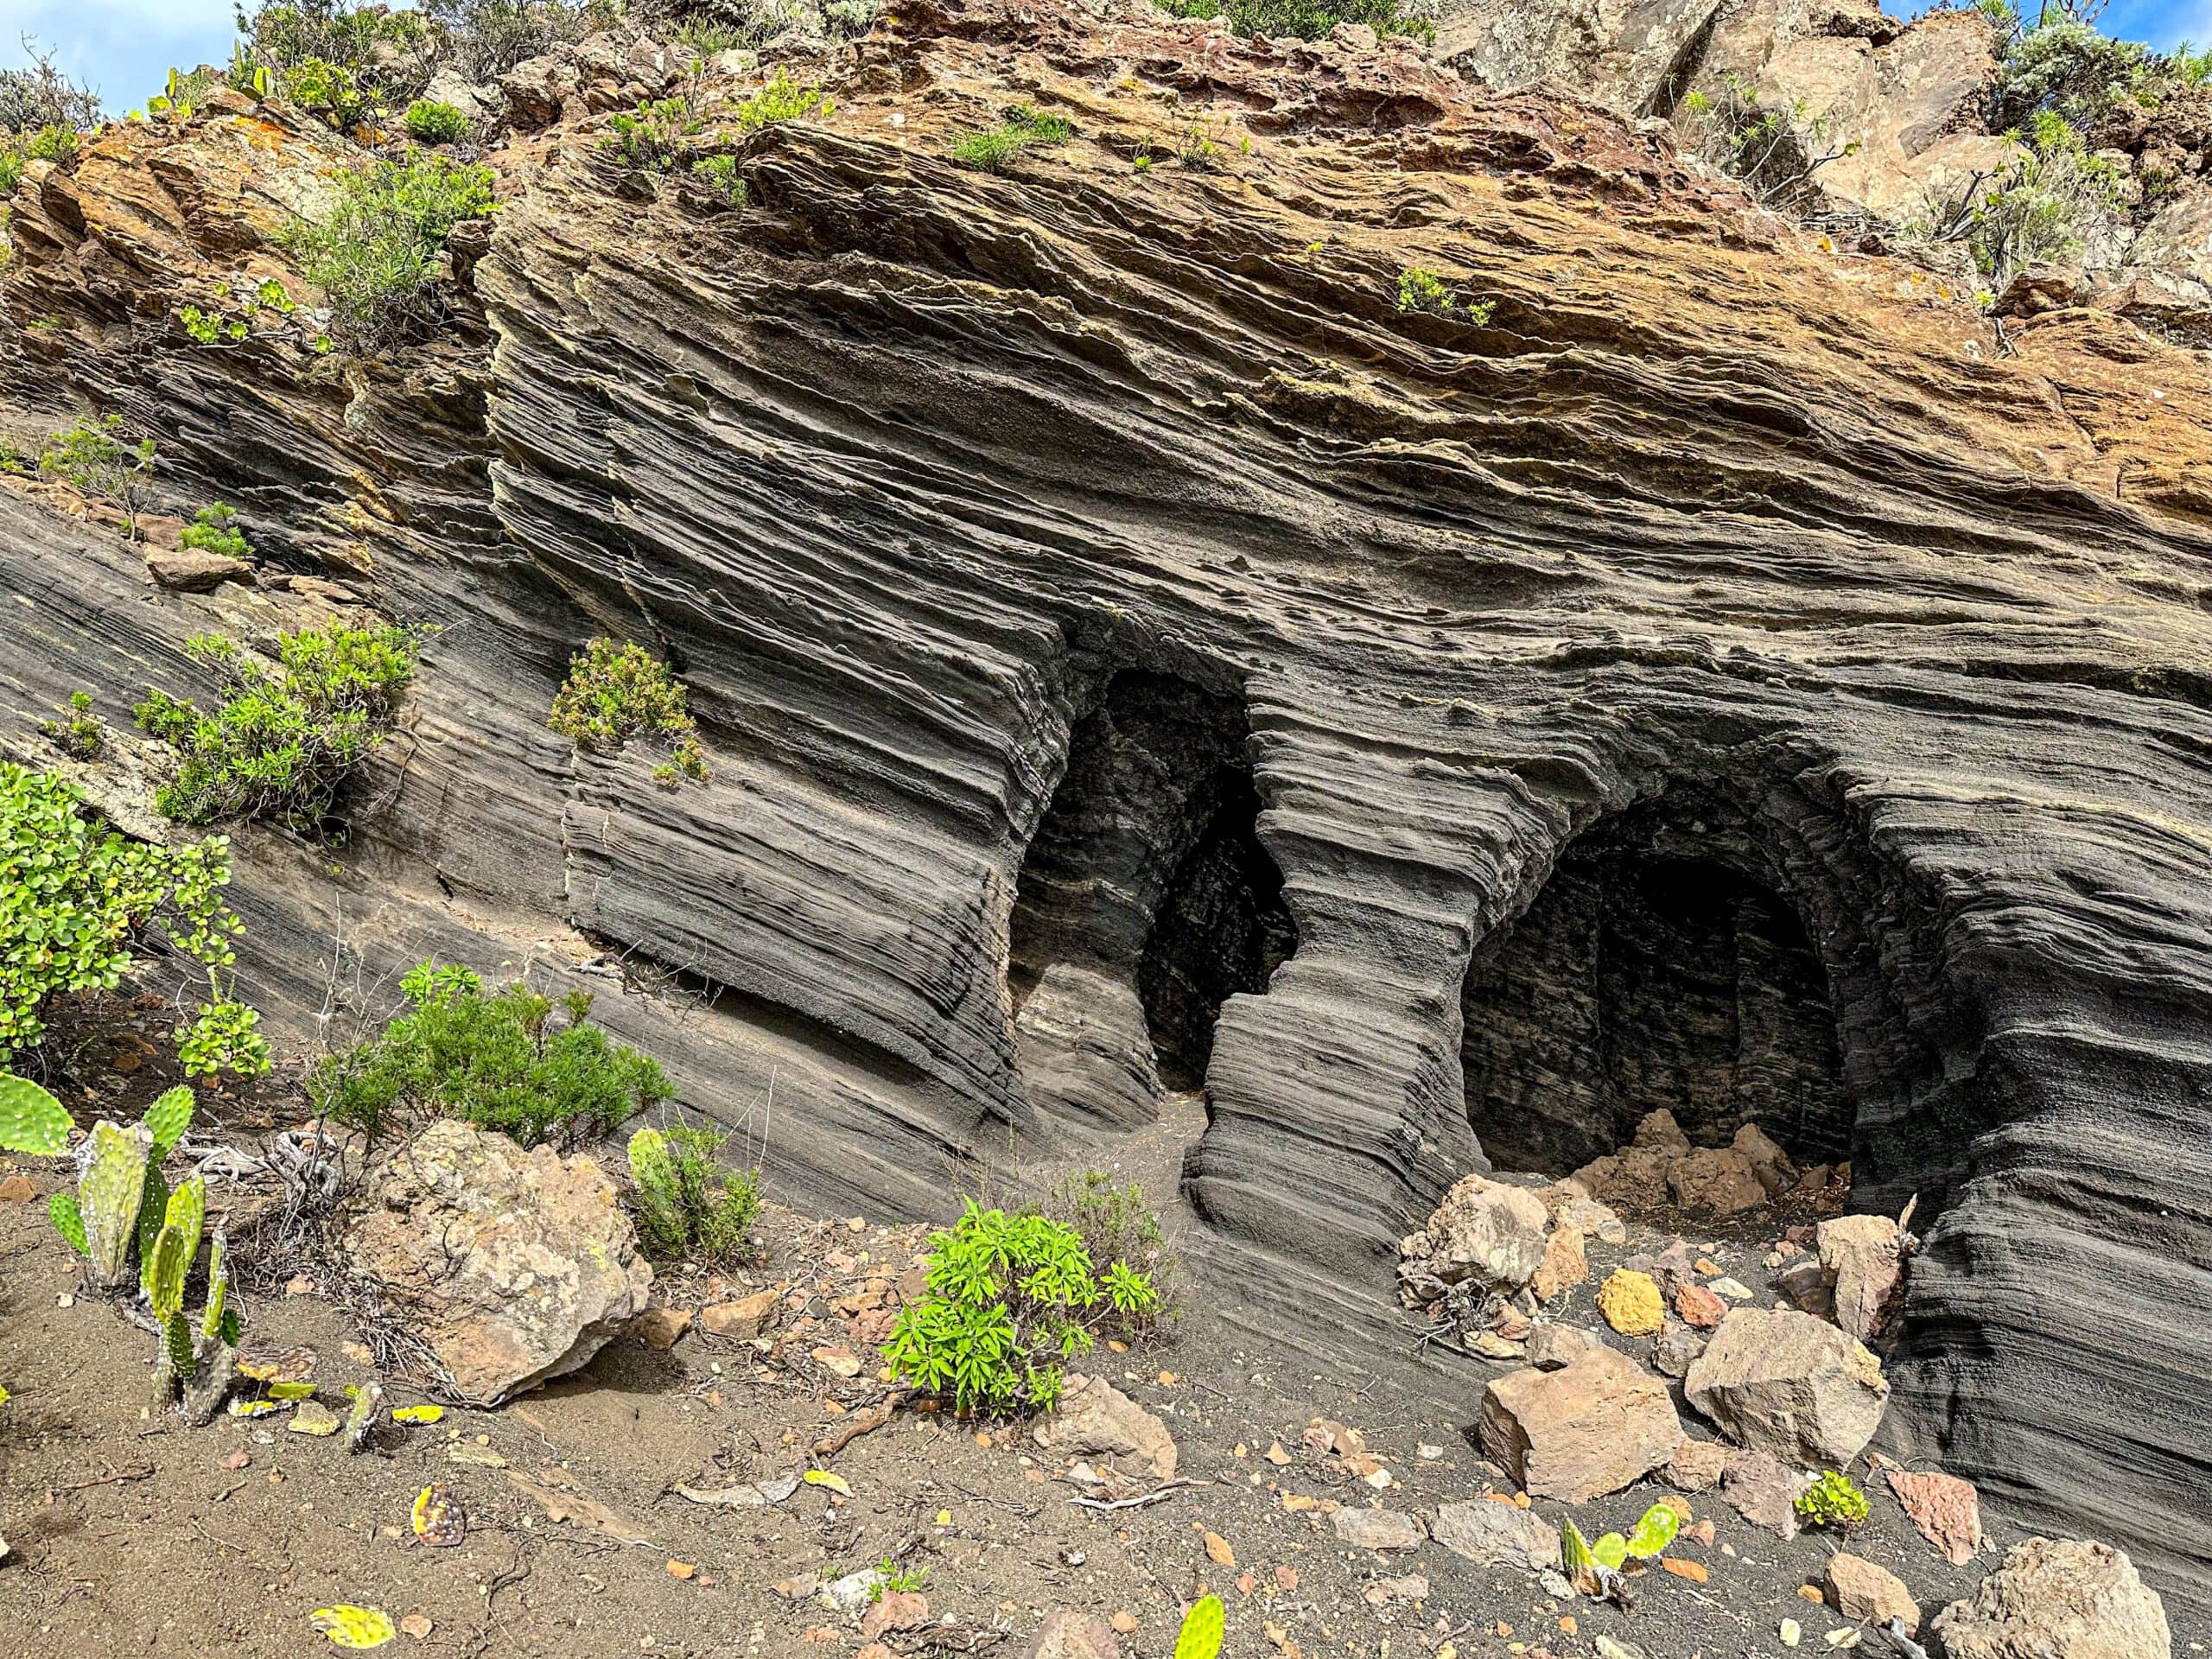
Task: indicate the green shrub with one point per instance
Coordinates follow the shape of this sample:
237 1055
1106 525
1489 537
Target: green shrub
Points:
615 695
376 256
90 456
75 900
781 99
1772 151
719 175
690 1207
2069 70
701 37
38 94
1116 1226
332 91
284 740
1304 20
75 731
497 1060
2038 206
997 151
1832 1501
1010 1298
433 123
653 136
1421 289
211 530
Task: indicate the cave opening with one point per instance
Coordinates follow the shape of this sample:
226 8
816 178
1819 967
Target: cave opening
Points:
1145 901
1654 970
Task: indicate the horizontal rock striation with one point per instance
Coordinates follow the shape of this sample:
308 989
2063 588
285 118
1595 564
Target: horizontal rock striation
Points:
1075 567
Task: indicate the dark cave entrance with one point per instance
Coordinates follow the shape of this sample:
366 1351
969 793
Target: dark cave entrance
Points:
1651 973
1146 900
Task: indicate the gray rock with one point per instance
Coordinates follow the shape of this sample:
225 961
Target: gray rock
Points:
1763 1491
1069 1635
1487 1231
1378 1529
476 102
2058 1600
1862 1259
1498 1535
508 1268
1786 1382
1550 1346
1094 1419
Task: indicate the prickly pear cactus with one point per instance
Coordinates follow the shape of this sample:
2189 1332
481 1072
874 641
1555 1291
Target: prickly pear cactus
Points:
31 1119
153 1211
219 1291
1204 1627
1653 1533
363 1417
166 1120
215 1352
108 1196
69 1221
165 1273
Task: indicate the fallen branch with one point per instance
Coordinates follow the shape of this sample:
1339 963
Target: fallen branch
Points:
1154 1496
110 1478
859 1423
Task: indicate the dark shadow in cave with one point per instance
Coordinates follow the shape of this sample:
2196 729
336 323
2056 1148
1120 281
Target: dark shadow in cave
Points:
1145 900
1651 973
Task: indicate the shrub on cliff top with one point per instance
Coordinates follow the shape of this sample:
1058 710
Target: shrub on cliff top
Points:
376 256
284 740
498 1061
40 95
1304 20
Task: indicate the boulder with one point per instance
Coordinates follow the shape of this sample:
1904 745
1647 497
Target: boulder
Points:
1487 1231
506 1267
451 87
1946 1509
1498 1535
1378 1529
1094 1419
1860 1589
1552 1346
1788 1383
2058 1600
1696 1466
1069 1635
195 569
1720 1182
1592 1427
1862 1259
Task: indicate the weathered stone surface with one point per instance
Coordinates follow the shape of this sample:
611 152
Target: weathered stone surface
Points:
505 1268
1487 1231
661 1327
1591 1428
2058 1600
1551 1346
1862 1258
1498 1535
1068 1635
1094 1419
1697 1465
1761 1489
1378 1529
1869 1593
745 1318
1721 568
1566 1264
194 570
1946 1509
1786 1382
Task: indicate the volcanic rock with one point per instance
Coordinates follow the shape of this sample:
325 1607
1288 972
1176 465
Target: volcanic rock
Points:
1094 1419
508 1268
1498 1535
1862 1259
1593 1428
1786 1382
2058 1600
1860 1589
1484 1231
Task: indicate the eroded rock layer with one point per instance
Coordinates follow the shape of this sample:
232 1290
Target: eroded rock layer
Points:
950 493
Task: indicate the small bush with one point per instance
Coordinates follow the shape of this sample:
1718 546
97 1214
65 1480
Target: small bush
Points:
429 122
1773 152
1304 20
211 530
2038 206
282 742
1421 289
781 99
76 731
54 143
376 256
653 136
1010 1298
616 695
1832 1501
719 175
333 91
75 900
701 37
498 1061
2069 70
40 95
690 1207
90 456
1115 1226
996 151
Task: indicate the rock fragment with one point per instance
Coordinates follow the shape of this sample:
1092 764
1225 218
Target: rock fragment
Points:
1592 1427
2058 1600
1862 1261
1094 1419
1946 1509
1068 1635
1378 1529
1498 1535
1631 1304
1869 1593
1786 1382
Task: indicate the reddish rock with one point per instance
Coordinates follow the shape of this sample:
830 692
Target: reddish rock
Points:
1593 1428
1947 1510
1699 1306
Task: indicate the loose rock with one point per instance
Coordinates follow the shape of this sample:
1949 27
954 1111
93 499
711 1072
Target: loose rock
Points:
1498 1535
1484 1231
1860 1589
744 1318
1095 1419
2058 1600
1593 1428
1786 1382
1946 1509
1074 1636
1378 1529
1631 1303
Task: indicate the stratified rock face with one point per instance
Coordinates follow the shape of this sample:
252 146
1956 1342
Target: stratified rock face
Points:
506 1267
1096 567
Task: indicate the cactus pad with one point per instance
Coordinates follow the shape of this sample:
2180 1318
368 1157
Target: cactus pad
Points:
153 1211
167 1119
355 1627
1204 1627
219 1292
68 1220
108 1196
31 1119
176 1337
1653 1533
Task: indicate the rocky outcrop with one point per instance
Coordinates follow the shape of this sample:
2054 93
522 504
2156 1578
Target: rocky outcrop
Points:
1843 666
499 1268
2058 1600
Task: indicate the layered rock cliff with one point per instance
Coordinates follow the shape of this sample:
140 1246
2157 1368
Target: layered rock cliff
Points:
1132 649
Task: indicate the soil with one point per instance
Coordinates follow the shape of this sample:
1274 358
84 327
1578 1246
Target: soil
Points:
128 1532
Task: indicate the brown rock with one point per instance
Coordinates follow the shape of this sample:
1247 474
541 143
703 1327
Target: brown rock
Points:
510 1267
1074 1636
1720 1182
195 570
1095 1419
902 1610
1487 1231
1593 1428
2065 1599
1787 1383
661 1327
744 1318
1862 1259
1873 1595
1697 1465
1378 1529
1551 1346
1498 1535
1565 1265
1699 1306
1758 1488
1946 1509
17 1189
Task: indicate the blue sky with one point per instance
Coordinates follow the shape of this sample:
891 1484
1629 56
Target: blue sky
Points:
124 47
